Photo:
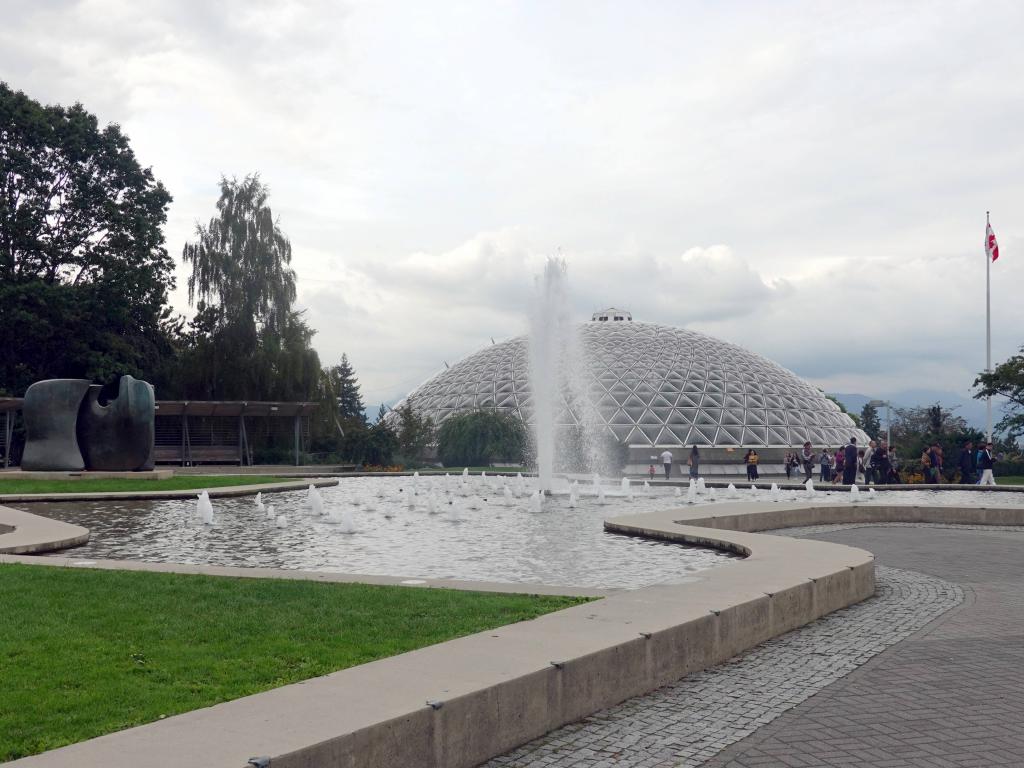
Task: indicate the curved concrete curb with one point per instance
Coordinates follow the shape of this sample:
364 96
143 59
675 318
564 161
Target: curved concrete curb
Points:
22 533
459 703
190 493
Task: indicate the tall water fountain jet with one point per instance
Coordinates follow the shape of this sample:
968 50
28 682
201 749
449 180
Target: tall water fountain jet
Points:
551 332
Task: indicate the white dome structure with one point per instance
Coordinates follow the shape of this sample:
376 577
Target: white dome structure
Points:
653 386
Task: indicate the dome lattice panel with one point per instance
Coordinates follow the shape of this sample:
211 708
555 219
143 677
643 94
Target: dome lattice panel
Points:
653 385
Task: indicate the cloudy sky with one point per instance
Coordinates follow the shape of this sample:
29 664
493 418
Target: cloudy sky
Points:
807 179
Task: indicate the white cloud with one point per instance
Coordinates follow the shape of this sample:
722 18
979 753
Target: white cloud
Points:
807 180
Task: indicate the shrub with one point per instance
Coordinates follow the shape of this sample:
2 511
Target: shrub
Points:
480 437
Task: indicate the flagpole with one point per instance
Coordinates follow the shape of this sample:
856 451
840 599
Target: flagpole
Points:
988 329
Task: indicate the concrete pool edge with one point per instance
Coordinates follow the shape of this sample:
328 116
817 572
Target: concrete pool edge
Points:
188 493
461 702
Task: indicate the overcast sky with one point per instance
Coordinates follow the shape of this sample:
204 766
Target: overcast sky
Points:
806 179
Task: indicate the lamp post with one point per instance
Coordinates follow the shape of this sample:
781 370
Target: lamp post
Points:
888 423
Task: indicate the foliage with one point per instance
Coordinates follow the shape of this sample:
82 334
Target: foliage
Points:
84 273
914 429
90 662
870 422
245 342
413 432
1009 466
479 437
342 388
1006 380
241 259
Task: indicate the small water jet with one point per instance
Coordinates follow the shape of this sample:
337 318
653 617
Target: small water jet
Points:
315 501
204 508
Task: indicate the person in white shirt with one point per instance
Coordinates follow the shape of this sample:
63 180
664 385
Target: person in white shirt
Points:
666 460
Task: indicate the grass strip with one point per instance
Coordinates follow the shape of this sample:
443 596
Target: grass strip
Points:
86 652
101 485
1010 480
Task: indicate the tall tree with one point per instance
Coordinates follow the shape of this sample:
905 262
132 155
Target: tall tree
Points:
241 258
83 269
344 388
1006 380
870 422
246 341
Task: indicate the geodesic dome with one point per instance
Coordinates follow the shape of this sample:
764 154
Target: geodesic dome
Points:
653 386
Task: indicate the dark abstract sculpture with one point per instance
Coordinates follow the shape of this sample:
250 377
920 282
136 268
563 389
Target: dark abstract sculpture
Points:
72 424
50 411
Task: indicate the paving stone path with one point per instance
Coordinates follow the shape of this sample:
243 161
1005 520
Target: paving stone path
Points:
895 681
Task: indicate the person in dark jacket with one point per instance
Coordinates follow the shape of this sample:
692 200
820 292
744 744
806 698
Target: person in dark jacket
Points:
986 461
881 463
968 464
850 462
935 462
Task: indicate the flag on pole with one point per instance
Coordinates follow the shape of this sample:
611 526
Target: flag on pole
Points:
991 246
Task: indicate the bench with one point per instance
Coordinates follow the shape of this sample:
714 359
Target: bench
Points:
197 454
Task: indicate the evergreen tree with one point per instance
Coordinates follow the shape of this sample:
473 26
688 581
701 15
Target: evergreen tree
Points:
344 387
870 422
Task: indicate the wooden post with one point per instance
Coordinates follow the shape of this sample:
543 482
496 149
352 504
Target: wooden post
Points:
298 428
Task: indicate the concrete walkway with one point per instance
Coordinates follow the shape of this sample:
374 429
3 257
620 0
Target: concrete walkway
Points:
928 674
952 695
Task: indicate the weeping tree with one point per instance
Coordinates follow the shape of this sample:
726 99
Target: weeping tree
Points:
246 341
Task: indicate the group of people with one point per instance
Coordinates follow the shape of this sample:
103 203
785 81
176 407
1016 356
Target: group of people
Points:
874 464
972 462
693 461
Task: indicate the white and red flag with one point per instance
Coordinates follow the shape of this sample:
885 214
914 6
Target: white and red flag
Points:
991 246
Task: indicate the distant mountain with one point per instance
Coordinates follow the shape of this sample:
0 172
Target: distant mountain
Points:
973 411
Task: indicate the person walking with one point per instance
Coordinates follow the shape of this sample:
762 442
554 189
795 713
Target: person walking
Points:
934 464
985 463
826 465
694 463
861 468
807 459
754 458
968 464
838 465
850 463
880 463
869 472
666 461
746 461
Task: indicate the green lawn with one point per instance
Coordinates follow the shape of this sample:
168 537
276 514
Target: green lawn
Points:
1011 480
85 652
95 485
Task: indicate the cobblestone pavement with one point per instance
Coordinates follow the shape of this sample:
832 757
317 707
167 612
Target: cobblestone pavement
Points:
952 695
831 694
